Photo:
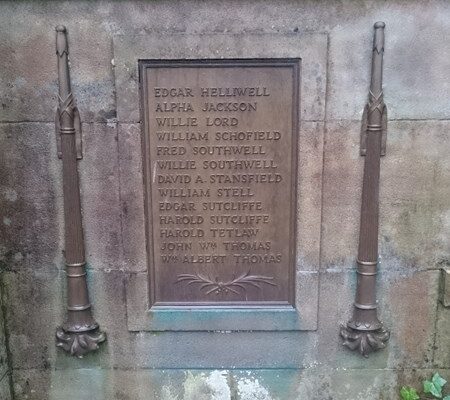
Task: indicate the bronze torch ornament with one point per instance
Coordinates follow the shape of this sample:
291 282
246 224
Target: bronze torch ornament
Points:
80 333
364 332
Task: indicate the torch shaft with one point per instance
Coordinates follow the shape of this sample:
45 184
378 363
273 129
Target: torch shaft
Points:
79 313
365 306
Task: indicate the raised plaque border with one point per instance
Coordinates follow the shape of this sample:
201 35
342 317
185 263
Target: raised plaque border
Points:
311 48
295 65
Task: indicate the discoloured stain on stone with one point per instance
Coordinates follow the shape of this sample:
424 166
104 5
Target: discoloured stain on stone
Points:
252 389
206 386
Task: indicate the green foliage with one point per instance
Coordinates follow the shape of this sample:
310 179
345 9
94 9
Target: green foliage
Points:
431 387
409 393
434 386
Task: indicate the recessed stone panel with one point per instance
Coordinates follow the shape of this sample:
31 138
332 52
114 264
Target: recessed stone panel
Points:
297 311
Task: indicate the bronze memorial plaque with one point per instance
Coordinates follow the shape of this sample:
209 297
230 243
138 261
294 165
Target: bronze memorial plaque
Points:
220 156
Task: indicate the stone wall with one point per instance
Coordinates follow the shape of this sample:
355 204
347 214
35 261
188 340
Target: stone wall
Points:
414 201
5 371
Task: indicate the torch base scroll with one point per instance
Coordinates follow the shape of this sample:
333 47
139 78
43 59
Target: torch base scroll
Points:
79 344
364 341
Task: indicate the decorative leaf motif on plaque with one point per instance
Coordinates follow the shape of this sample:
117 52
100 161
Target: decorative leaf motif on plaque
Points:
216 286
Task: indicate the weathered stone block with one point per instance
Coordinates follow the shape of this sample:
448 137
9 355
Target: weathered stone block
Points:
414 194
414 87
442 344
186 350
76 384
343 384
32 193
445 287
35 306
132 198
408 308
29 68
30 197
309 202
5 390
407 303
32 337
103 384
99 187
136 289
342 182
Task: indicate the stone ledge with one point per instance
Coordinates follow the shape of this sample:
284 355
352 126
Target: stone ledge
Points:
238 384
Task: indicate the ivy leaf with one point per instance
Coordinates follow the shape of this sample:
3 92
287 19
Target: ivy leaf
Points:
438 380
435 385
430 387
409 393
446 397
